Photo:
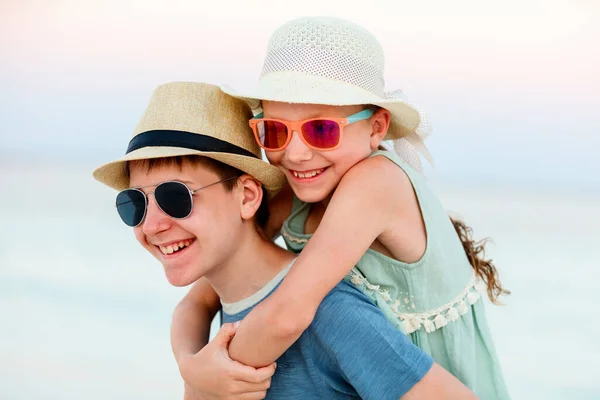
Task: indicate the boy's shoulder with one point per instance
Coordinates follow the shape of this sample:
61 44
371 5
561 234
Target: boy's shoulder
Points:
351 336
345 304
347 307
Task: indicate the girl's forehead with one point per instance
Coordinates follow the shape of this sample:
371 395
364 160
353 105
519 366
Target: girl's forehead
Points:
291 111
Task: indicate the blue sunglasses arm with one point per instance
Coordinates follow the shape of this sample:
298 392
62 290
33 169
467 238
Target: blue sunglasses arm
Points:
359 116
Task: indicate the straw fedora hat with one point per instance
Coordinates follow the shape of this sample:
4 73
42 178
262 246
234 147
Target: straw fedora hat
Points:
185 118
326 60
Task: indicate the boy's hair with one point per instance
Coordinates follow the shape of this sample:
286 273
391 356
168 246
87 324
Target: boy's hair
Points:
223 170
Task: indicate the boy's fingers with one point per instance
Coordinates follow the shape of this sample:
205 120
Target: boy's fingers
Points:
258 395
225 334
245 388
247 374
265 372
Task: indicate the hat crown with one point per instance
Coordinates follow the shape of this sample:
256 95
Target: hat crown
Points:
330 48
201 109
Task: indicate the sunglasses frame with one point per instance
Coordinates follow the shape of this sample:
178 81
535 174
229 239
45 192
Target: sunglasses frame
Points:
297 126
146 195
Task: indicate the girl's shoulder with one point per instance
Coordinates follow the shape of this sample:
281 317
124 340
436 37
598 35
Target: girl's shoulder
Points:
377 177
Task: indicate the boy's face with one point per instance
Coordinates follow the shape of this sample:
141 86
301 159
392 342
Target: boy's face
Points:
207 235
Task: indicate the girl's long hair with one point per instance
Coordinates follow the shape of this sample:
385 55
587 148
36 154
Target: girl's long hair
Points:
484 268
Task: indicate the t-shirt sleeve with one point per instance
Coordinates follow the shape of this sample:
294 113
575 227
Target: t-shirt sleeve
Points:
356 340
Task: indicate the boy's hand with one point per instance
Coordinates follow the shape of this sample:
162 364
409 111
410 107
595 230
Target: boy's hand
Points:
211 374
191 394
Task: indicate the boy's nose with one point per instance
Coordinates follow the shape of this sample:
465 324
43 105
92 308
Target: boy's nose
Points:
297 151
156 220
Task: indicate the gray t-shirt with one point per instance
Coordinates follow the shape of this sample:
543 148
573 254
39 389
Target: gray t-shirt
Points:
349 351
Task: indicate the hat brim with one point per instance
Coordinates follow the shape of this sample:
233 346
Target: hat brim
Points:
301 88
113 174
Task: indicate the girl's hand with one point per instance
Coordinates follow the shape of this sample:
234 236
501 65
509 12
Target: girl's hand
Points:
211 374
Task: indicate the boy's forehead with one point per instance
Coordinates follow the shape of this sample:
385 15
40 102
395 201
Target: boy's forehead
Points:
143 174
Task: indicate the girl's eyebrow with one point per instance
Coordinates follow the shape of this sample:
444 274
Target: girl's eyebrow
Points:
317 114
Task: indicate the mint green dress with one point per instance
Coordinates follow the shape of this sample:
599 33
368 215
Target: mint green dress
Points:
436 300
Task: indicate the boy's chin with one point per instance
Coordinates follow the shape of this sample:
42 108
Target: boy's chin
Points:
179 277
179 281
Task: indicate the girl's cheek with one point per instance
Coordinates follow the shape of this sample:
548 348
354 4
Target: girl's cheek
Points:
273 157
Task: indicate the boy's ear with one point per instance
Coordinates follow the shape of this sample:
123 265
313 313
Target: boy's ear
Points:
251 196
380 123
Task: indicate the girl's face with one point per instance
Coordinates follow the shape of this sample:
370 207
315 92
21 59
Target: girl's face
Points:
314 174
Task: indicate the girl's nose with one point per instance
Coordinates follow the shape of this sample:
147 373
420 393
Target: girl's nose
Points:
297 151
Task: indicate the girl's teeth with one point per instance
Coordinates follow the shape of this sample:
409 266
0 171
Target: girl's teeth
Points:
307 174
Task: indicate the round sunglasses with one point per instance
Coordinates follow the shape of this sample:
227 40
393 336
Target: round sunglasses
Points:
173 198
317 133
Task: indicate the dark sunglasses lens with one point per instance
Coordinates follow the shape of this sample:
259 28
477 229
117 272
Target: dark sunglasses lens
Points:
272 134
131 206
321 133
174 199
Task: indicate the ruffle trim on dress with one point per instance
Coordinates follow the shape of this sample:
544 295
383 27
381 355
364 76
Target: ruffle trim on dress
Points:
430 320
290 237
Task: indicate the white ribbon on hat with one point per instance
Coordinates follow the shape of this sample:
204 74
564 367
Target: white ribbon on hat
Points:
409 147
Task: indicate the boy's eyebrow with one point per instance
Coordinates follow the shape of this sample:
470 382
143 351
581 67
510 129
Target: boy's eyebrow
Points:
188 183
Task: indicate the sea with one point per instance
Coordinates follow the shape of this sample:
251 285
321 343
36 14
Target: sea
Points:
85 312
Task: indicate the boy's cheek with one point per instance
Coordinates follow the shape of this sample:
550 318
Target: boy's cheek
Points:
141 238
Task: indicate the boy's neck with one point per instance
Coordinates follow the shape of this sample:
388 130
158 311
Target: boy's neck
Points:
253 264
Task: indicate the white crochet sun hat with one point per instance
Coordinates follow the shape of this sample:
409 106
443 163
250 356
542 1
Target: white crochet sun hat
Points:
326 60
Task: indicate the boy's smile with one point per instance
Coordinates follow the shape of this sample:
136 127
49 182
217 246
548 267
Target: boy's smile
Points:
191 247
175 247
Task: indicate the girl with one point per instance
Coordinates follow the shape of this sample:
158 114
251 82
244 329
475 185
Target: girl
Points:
357 212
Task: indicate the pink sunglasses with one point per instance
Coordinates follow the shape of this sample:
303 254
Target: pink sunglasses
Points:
317 133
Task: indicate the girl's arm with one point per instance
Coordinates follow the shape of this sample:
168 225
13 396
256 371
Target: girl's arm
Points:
369 197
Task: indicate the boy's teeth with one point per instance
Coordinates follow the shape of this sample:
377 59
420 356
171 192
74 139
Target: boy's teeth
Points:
174 247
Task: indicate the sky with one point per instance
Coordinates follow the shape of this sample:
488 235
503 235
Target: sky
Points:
510 88
511 91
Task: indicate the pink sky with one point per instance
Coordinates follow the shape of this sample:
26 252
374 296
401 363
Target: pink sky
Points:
547 46
507 76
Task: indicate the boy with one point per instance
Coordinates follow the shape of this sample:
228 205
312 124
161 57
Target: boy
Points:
192 188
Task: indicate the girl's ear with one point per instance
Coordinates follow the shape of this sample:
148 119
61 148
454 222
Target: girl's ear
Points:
251 196
380 123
